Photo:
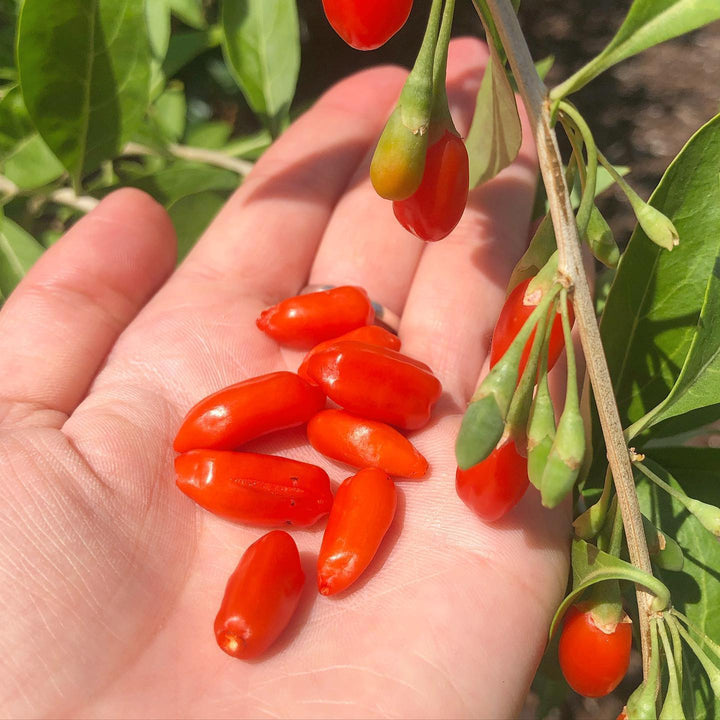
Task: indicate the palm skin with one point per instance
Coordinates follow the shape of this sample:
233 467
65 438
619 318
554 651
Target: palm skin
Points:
112 577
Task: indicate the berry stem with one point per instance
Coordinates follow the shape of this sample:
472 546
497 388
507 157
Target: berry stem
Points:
535 96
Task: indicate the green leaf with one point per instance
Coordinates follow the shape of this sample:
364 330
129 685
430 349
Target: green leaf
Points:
213 134
18 251
262 48
695 590
185 47
495 135
184 178
698 384
85 73
157 16
191 215
169 111
24 157
652 310
541 247
648 23
190 12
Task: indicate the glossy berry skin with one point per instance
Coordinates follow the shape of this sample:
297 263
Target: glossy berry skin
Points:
232 416
363 511
365 443
593 661
255 489
369 334
376 383
512 317
494 486
367 24
261 596
305 320
436 207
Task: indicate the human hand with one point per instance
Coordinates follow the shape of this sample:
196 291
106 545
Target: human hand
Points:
112 577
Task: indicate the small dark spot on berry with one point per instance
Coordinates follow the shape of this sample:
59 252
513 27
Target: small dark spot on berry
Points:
292 503
294 481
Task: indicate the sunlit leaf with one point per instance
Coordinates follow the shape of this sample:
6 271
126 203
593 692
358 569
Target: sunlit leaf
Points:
648 23
262 48
85 73
495 135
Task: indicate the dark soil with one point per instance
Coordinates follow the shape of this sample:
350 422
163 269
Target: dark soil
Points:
642 111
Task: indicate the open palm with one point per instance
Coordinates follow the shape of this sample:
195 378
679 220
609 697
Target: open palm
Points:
111 577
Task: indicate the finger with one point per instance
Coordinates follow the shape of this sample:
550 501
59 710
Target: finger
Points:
264 240
459 286
61 321
364 244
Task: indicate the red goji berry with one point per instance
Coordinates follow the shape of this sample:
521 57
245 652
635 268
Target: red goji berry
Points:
376 383
253 488
494 486
593 659
436 207
363 510
232 416
305 320
365 443
261 596
367 24
512 317
369 334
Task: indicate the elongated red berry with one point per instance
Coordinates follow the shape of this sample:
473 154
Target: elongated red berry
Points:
436 207
494 486
260 597
593 659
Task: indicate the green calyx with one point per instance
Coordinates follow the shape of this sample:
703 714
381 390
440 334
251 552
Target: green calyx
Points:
541 424
484 420
663 550
482 426
601 240
398 163
605 604
658 227
568 449
588 524
707 515
641 705
516 421
672 708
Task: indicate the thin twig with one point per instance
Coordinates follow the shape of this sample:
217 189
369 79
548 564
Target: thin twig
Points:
535 97
61 196
67 196
195 154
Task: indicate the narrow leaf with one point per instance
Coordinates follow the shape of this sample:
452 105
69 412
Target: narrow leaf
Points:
495 135
262 47
648 23
85 73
